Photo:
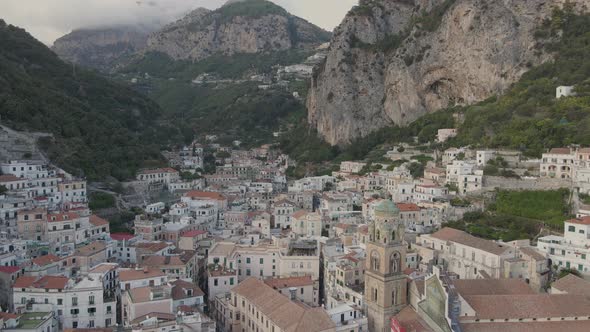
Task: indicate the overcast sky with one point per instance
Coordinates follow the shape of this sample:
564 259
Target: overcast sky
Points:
48 20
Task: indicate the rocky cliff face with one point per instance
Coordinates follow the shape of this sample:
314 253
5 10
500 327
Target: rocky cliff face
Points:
392 61
100 48
248 26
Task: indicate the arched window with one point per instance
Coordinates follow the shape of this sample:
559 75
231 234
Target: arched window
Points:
394 262
375 261
394 297
378 235
393 236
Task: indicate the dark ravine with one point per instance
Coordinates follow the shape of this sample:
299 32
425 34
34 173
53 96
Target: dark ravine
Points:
392 61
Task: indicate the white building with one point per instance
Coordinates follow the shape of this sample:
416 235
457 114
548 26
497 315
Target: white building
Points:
161 175
572 250
80 303
316 183
155 208
564 91
282 211
465 176
483 156
474 258
307 224
558 163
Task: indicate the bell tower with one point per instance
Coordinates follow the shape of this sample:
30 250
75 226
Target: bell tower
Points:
385 283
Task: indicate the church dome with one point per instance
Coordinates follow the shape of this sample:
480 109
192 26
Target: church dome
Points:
386 207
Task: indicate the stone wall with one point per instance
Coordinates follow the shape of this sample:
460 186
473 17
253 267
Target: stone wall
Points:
492 182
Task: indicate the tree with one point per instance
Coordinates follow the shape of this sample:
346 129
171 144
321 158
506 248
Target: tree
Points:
329 186
223 154
3 189
565 271
416 169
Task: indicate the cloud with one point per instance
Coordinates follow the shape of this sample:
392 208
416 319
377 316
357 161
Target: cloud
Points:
48 20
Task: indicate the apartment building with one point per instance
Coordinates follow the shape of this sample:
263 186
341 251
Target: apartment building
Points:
77 303
558 163
307 224
572 250
470 257
258 307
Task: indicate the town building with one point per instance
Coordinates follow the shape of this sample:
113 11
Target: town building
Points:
385 283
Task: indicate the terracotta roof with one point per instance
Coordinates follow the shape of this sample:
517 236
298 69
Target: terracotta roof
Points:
535 326
91 249
9 269
45 282
140 294
284 313
147 273
157 261
467 287
193 233
411 321
159 170
406 207
532 252
121 236
100 329
10 178
580 221
180 286
584 150
8 315
64 216
560 151
45 260
435 170
152 246
364 229
453 235
185 309
204 194
278 283
97 221
300 213
284 201
104 267
529 306
572 285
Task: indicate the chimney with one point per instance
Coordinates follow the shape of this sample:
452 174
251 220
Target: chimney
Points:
145 269
293 293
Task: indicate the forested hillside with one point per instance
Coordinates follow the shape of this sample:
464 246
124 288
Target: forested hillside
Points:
100 128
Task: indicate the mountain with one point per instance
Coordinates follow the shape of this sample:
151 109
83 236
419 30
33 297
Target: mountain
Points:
391 62
248 26
101 48
100 128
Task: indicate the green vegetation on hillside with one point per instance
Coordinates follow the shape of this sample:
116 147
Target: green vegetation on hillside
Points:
518 215
101 200
550 207
236 109
250 8
224 66
304 145
529 117
100 128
